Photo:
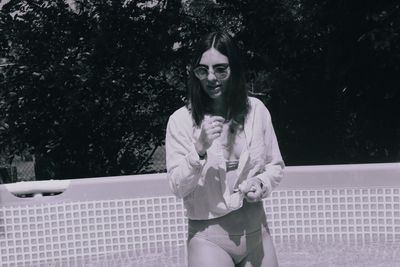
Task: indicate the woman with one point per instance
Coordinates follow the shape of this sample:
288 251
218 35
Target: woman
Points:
222 159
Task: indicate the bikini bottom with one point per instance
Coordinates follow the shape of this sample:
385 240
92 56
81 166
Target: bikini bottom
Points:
238 233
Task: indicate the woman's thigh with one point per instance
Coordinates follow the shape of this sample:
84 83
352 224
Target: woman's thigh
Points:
263 255
202 252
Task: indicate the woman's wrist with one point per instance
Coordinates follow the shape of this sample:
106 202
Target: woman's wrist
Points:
200 150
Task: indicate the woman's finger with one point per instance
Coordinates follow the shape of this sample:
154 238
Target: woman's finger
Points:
214 136
216 129
255 192
217 119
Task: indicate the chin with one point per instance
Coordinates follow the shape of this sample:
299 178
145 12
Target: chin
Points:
215 96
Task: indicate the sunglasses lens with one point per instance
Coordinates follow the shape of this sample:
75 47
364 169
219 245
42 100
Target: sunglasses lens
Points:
220 72
201 73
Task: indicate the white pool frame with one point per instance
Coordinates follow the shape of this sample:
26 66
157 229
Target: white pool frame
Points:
108 215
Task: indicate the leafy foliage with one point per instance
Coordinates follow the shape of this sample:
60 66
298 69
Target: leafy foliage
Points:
90 88
91 91
330 72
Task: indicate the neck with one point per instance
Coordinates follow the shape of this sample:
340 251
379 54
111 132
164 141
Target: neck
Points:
218 107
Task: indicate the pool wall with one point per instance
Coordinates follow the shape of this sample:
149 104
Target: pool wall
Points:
110 215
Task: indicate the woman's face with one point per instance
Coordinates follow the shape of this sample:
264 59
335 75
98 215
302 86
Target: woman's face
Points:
213 72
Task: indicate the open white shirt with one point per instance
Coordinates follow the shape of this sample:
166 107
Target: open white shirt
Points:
202 183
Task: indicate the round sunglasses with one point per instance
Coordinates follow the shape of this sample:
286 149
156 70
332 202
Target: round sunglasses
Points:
220 71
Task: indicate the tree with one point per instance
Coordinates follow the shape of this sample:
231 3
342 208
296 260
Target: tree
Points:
330 69
90 90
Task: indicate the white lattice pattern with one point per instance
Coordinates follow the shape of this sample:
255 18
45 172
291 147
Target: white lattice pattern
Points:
73 231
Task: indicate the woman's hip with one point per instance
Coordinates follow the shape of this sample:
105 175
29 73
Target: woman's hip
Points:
248 219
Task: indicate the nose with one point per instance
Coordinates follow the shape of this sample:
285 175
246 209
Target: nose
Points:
211 76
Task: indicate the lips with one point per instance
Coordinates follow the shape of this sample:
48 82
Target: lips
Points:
214 87
213 90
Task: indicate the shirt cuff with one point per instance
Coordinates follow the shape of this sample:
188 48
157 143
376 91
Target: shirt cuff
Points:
265 186
194 159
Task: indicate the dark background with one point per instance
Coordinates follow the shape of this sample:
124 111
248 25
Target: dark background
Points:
87 87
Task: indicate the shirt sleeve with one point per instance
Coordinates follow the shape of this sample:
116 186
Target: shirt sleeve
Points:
184 166
273 170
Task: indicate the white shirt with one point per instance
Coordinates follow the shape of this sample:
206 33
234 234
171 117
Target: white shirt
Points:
202 183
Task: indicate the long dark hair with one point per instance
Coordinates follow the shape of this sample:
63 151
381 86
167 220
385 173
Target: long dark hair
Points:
236 93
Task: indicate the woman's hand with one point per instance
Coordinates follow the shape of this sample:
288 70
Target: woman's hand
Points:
252 189
211 129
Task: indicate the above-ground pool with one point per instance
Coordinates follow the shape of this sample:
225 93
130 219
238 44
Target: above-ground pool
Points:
335 215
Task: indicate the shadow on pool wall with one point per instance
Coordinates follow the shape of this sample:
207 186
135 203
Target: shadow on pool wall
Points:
316 215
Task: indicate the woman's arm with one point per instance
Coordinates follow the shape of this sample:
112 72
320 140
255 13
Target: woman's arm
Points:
183 163
273 171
